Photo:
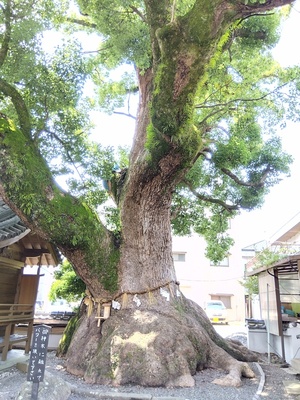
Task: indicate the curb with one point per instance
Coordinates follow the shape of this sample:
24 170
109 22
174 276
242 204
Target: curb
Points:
261 382
121 396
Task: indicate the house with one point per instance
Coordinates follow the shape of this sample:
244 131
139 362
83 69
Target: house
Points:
18 291
279 293
202 281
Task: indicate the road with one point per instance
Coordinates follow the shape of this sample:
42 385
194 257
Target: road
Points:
232 327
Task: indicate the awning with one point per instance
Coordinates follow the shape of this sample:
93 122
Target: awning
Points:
286 265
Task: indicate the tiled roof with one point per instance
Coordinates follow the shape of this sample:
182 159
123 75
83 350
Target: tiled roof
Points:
35 250
10 224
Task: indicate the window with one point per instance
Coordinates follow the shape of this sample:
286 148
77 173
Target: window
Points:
223 263
179 256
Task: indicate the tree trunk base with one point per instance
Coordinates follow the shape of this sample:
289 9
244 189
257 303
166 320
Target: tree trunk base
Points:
155 347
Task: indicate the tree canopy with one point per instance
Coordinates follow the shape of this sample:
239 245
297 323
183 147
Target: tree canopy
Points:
232 116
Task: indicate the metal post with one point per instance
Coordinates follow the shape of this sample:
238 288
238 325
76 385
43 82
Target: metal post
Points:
34 390
268 324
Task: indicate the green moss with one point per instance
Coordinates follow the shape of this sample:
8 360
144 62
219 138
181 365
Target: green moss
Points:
172 107
69 223
180 306
66 339
187 48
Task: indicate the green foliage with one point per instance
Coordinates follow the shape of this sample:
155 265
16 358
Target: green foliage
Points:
266 257
251 285
67 284
112 216
238 105
111 93
126 36
271 255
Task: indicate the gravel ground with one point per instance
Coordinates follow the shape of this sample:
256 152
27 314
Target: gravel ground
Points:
273 389
12 379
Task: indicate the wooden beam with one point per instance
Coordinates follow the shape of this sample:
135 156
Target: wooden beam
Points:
35 252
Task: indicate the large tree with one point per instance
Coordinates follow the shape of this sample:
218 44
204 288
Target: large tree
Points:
205 147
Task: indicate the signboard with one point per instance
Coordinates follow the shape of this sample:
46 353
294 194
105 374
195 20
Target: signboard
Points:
37 361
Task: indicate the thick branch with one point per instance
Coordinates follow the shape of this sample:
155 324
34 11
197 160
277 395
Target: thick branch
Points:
158 16
19 104
7 34
246 8
209 199
258 184
82 22
26 182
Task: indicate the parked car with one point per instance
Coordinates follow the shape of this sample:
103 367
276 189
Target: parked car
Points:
216 311
60 309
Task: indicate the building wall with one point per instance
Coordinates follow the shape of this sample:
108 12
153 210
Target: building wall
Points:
43 303
200 281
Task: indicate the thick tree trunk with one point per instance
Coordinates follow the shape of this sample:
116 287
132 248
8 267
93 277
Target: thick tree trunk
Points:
157 338
146 251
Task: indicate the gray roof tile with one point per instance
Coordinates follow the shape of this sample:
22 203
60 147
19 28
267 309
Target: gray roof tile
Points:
10 224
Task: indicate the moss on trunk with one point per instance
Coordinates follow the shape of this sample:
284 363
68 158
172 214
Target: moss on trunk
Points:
28 187
67 336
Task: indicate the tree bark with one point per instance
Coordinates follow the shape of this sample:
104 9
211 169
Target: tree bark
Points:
161 341
157 337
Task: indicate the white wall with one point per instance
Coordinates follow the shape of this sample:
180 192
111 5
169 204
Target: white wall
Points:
199 279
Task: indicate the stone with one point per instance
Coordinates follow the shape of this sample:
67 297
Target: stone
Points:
292 387
295 363
22 366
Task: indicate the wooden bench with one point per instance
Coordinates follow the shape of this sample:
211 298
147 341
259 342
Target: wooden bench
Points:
10 315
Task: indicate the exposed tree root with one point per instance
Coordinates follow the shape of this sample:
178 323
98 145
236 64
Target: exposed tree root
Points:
222 360
161 346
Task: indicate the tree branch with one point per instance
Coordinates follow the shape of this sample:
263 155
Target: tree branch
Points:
19 104
245 9
7 34
203 105
214 113
67 152
209 199
258 184
136 11
126 114
82 22
68 222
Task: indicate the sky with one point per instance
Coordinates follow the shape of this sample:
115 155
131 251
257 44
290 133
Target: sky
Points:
283 201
